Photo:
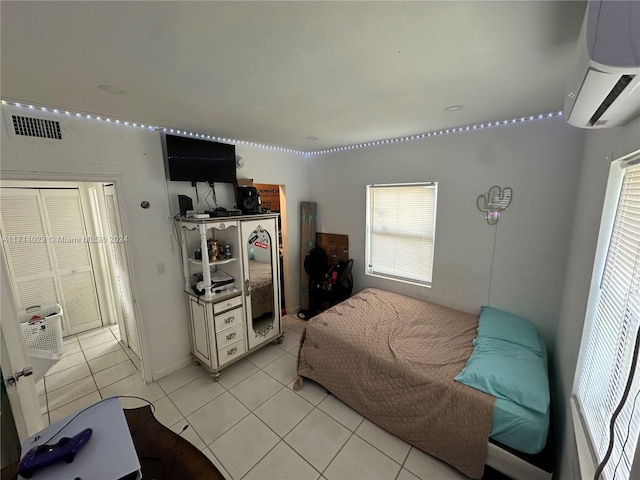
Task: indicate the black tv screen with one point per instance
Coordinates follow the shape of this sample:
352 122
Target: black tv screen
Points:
195 160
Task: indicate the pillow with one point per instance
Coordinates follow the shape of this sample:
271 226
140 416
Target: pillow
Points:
510 371
501 325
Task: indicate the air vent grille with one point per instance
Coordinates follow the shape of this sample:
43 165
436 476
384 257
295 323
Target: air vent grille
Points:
613 94
36 127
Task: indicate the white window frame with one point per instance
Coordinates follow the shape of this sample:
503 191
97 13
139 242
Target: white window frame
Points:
588 459
431 225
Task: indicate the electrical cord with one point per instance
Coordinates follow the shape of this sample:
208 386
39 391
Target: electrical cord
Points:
176 232
153 409
212 193
195 185
623 399
633 408
493 255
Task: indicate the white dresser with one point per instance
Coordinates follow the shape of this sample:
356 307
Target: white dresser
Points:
228 322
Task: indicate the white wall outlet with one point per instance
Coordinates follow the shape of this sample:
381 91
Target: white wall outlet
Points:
160 268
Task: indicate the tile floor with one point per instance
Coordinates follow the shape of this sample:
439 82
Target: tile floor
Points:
251 424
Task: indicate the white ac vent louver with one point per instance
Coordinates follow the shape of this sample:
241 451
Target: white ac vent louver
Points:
36 127
604 88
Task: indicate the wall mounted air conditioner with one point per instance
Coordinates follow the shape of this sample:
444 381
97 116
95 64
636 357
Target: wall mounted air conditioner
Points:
604 88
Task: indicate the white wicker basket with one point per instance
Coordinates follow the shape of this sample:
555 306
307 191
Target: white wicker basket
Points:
42 327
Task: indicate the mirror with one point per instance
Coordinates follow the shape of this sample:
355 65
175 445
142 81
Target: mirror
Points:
261 281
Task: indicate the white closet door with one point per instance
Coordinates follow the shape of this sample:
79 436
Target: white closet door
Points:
72 259
27 250
121 274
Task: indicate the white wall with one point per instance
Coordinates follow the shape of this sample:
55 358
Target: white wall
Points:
601 146
540 160
96 151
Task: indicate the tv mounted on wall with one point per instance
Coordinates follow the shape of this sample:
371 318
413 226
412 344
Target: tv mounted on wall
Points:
195 160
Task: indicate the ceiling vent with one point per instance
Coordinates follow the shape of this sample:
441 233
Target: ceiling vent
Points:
604 88
36 127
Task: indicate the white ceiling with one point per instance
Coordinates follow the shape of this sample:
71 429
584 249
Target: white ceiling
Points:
279 72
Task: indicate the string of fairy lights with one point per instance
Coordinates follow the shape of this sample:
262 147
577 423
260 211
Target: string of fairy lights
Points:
434 133
202 136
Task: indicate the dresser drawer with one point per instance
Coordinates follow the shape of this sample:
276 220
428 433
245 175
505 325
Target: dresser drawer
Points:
231 351
230 335
227 304
229 319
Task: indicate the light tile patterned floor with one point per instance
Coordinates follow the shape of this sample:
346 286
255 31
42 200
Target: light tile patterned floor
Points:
251 424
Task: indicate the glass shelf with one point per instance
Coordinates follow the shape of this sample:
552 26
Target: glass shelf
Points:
217 262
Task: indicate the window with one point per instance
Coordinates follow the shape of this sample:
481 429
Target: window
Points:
608 345
401 224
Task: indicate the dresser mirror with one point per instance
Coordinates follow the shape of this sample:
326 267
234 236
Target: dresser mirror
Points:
260 257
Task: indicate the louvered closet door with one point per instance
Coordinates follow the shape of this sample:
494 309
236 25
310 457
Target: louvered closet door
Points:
27 249
72 258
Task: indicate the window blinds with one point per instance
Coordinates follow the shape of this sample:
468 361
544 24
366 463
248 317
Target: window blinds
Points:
400 231
607 361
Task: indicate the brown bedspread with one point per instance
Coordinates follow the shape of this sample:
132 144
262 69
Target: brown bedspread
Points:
393 358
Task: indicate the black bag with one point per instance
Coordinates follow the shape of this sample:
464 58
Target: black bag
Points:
327 286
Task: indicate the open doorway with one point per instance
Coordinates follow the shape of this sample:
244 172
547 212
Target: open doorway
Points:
65 244
273 199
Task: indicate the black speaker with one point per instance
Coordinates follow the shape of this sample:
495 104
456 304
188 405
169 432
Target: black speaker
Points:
248 200
185 204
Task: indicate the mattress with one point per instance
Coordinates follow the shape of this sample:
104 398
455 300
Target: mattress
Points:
518 427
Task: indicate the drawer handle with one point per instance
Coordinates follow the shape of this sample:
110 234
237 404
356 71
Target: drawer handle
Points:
231 335
229 304
229 319
232 351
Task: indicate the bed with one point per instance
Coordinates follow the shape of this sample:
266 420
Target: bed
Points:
393 359
261 288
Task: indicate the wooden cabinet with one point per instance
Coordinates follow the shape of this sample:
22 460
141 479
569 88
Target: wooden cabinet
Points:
230 321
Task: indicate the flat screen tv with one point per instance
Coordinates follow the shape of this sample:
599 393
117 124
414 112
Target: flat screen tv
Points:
195 160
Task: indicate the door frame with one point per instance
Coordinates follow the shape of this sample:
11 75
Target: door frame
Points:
18 177
102 222
284 274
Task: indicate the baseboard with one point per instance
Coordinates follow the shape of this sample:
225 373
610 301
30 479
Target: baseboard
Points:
293 310
169 370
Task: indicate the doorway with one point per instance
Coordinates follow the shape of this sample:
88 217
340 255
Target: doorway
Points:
273 199
64 243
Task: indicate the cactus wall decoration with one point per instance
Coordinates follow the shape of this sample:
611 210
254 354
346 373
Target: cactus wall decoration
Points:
494 201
